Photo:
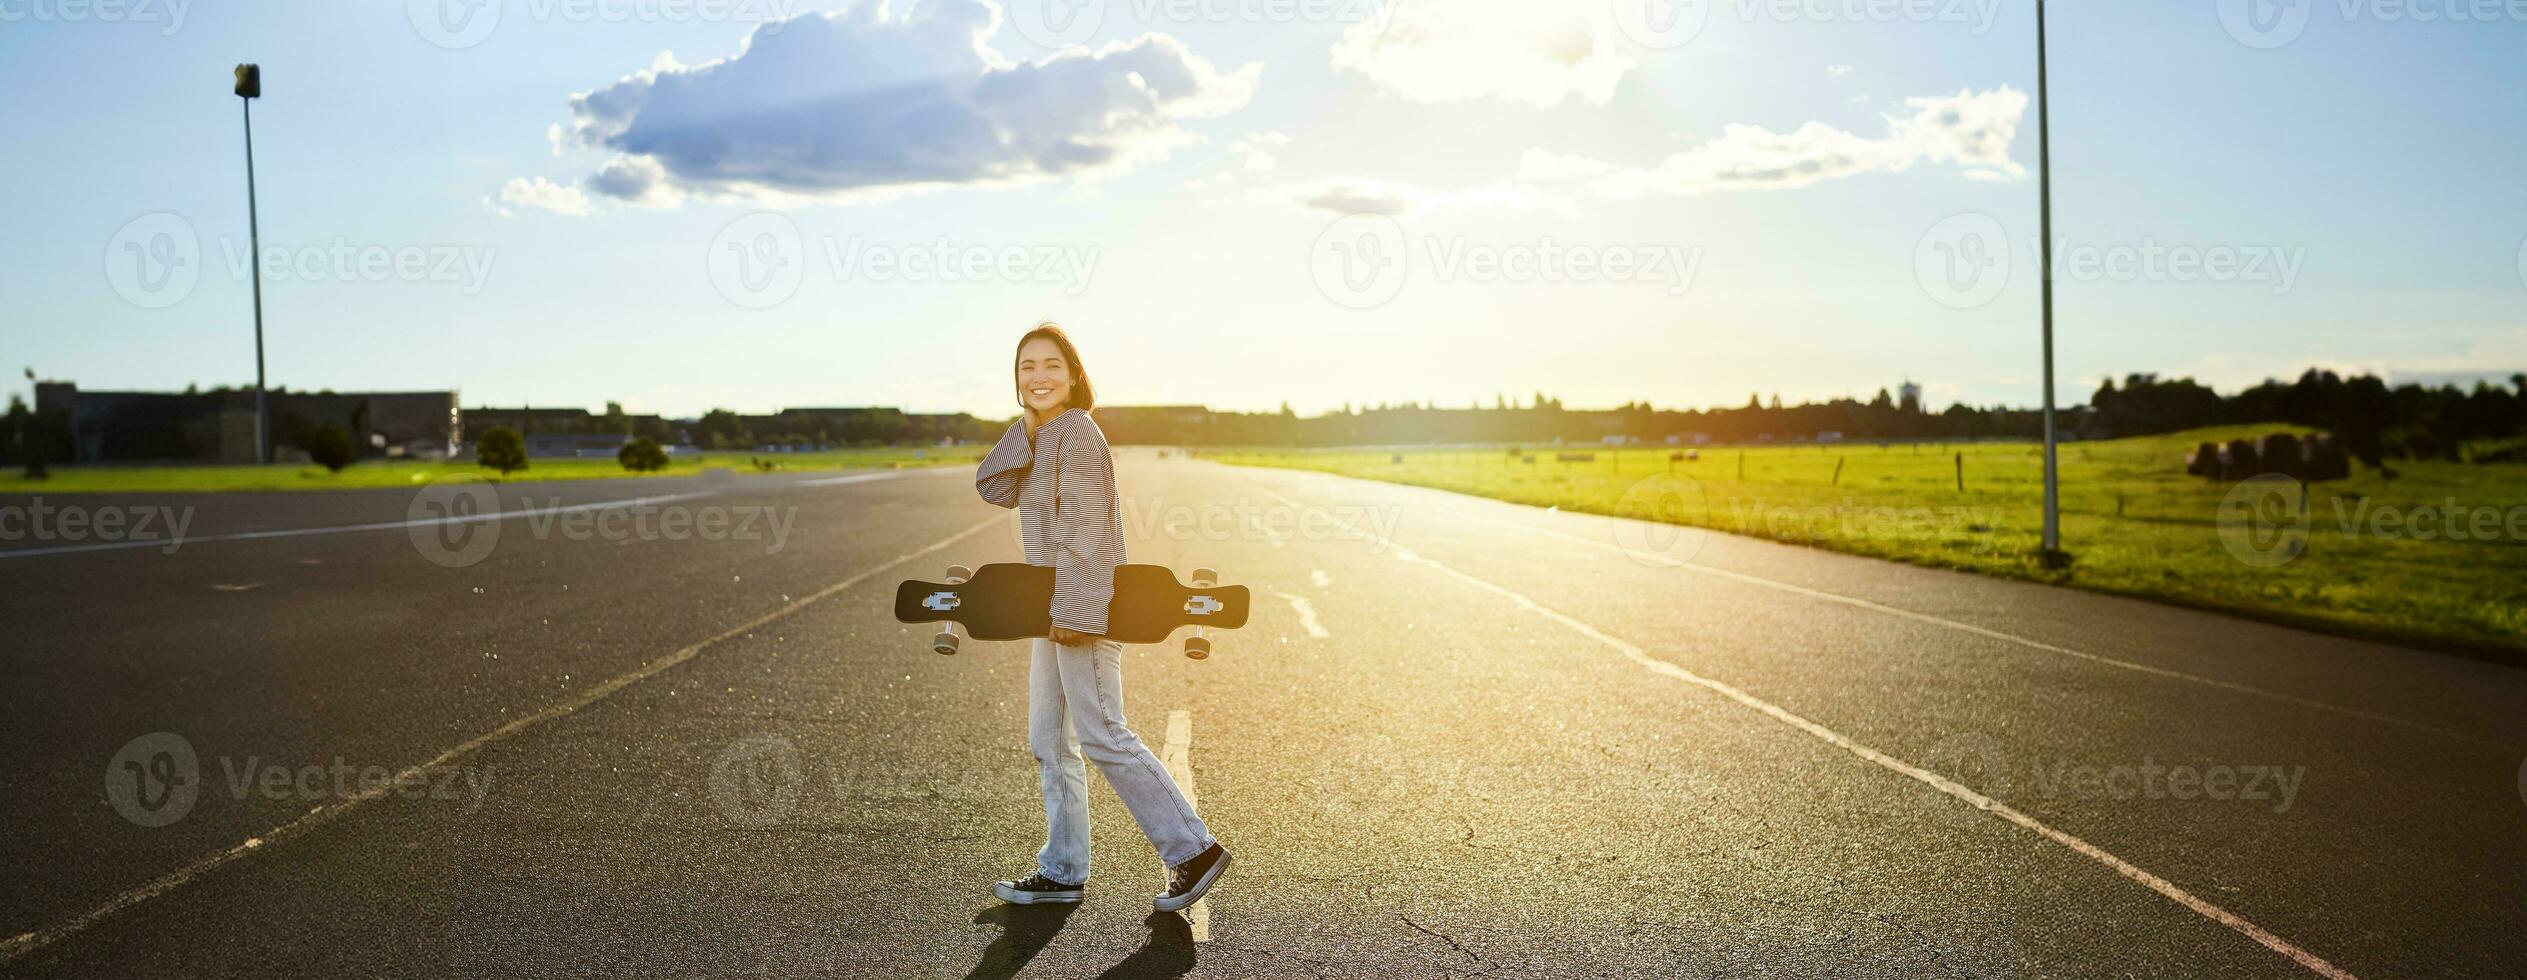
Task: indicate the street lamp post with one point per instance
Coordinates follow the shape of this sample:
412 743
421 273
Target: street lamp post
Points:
250 88
2053 554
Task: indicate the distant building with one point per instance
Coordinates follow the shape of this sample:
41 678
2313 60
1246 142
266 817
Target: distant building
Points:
1908 397
218 426
569 445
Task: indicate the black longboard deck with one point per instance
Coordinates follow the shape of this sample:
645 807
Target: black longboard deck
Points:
1012 601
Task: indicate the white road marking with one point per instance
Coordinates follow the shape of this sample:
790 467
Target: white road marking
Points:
25 943
1318 578
1934 780
1307 615
1177 756
1988 633
1269 537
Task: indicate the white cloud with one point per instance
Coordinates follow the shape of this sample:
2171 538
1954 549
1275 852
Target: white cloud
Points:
1369 195
1515 50
863 104
542 194
1971 130
1838 71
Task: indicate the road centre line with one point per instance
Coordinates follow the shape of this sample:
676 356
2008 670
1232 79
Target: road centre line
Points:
1988 633
25 943
1177 756
1941 783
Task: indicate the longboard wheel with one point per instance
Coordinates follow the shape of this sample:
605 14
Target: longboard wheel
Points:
944 644
1197 648
1204 578
959 573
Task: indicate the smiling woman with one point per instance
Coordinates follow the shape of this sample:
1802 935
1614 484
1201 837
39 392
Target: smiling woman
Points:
1052 452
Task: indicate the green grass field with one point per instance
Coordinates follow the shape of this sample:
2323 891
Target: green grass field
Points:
2376 557
380 473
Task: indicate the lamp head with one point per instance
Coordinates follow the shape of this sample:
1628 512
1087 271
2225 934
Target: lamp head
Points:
249 81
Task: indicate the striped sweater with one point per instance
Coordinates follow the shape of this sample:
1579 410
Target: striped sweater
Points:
1061 480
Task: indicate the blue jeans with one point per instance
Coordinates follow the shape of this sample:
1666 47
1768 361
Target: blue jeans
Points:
1075 703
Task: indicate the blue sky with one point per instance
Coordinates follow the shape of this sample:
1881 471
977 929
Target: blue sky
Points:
1801 198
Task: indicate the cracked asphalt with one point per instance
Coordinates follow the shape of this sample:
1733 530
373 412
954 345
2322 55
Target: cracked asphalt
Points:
1527 744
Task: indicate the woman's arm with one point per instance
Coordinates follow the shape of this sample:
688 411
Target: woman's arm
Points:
1005 467
1087 530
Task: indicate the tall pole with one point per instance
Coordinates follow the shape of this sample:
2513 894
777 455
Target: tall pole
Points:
254 251
2044 247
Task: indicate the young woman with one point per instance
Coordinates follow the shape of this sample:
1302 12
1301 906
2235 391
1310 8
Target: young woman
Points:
1054 467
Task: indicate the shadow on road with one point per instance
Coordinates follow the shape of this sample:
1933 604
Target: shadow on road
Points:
1024 929
1169 952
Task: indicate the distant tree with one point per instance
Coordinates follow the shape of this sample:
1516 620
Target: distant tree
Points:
614 422
642 455
502 449
329 445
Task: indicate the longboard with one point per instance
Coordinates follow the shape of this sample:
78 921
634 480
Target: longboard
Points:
1009 601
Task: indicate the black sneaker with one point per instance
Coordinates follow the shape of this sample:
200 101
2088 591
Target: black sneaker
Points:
1186 882
1036 888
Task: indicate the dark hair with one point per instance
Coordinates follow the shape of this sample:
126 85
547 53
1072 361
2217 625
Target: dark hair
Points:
1083 396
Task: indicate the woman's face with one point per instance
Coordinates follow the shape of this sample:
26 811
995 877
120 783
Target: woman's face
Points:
1043 376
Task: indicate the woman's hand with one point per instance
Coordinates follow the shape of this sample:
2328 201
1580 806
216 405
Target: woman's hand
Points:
1073 638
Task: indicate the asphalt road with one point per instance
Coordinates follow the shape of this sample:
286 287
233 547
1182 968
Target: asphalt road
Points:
668 728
